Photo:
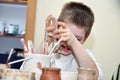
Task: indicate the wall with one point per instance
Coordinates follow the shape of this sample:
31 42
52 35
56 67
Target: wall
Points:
104 39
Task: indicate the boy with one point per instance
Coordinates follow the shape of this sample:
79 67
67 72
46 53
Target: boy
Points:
75 23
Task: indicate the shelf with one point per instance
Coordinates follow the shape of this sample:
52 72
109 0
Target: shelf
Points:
6 0
12 35
14 1
22 1
30 17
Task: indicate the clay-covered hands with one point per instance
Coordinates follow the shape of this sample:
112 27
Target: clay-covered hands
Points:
62 31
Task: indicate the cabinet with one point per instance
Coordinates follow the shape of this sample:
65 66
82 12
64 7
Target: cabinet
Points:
30 24
30 16
30 19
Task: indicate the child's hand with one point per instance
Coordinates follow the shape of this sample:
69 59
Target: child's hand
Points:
51 25
64 32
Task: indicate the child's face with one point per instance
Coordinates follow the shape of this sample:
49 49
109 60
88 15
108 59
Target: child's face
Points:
78 32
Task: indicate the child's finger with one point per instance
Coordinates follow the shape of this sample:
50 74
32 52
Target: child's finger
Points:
48 20
50 29
39 66
62 24
50 34
60 31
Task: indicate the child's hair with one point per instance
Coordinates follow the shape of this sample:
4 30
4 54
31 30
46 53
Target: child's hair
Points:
78 14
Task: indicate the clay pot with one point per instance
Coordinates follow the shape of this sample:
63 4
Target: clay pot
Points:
50 74
86 74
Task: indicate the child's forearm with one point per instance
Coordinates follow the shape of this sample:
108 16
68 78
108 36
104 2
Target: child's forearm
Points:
82 57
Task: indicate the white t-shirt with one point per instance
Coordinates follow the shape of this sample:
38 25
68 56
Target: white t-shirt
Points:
68 63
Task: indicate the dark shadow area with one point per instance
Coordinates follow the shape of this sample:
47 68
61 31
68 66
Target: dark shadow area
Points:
16 55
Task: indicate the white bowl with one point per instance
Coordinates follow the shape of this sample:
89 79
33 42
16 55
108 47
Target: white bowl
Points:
31 64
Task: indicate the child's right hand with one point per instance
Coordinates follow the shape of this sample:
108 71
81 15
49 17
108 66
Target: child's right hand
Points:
62 31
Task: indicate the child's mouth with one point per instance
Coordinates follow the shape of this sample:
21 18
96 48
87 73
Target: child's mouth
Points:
65 50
